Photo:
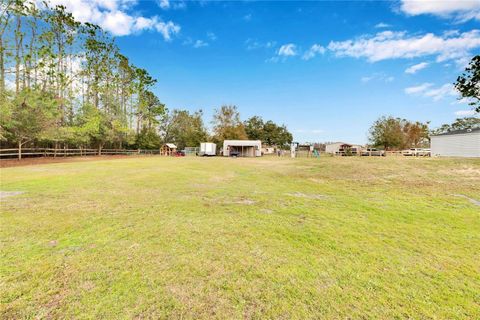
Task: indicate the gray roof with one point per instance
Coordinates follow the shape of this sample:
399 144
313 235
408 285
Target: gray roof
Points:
462 131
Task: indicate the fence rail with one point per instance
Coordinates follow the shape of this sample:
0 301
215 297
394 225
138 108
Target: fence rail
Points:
51 152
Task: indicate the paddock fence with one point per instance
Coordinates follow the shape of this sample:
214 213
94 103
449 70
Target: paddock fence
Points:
65 152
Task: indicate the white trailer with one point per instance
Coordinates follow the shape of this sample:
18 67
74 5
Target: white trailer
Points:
207 149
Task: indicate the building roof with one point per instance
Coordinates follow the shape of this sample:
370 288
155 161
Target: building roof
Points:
462 131
171 145
248 143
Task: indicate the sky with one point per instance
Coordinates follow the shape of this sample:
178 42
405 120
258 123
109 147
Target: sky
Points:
325 69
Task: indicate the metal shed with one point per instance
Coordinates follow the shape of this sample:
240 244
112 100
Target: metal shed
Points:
242 148
458 143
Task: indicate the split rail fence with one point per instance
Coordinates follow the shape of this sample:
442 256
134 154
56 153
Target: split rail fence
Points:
51 152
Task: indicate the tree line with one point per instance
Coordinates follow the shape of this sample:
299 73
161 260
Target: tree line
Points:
66 83
392 133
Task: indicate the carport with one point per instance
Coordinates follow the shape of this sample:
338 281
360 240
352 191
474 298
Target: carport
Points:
242 148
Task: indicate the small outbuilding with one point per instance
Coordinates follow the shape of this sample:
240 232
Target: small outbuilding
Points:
458 143
342 147
168 149
242 148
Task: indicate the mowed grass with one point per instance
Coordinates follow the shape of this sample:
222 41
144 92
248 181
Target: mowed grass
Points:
202 238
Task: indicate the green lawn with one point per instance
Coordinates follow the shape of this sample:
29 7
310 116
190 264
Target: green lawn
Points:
198 238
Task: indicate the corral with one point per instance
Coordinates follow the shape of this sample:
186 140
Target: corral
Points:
164 237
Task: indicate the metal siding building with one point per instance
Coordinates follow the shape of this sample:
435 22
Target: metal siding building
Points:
459 143
245 148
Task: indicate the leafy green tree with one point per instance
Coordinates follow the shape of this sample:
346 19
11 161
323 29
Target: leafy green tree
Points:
468 83
148 138
227 125
268 132
28 116
387 132
416 134
254 127
183 128
459 124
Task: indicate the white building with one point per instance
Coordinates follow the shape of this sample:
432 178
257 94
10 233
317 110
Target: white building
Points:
459 143
336 147
242 148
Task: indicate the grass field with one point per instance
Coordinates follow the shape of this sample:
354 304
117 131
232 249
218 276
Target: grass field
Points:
242 238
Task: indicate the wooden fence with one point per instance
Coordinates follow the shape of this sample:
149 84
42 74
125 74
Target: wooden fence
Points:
51 152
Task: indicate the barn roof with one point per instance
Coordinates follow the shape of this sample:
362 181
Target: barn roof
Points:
171 145
462 131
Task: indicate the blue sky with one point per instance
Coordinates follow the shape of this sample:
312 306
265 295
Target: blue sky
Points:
325 69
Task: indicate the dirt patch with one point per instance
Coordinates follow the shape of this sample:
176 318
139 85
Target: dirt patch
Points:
241 201
53 243
6 163
466 172
309 196
6 194
266 211
473 201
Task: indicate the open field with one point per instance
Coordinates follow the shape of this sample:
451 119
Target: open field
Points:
242 238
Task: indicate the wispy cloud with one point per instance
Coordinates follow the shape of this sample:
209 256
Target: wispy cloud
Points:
438 93
247 17
211 36
382 25
418 89
287 50
253 44
313 51
416 67
168 4
200 44
393 45
464 113
378 77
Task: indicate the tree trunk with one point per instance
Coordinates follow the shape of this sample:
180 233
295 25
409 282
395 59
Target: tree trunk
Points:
19 150
17 54
2 66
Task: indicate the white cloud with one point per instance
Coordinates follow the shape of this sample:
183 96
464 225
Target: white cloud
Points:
379 77
418 89
382 25
115 16
164 4
416 67
462 10
441 92
200 44
212 36
287 50
252 44
313 51
426 90
366 79
463 113
390 45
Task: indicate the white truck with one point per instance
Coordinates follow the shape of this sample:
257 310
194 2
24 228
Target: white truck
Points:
207 149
